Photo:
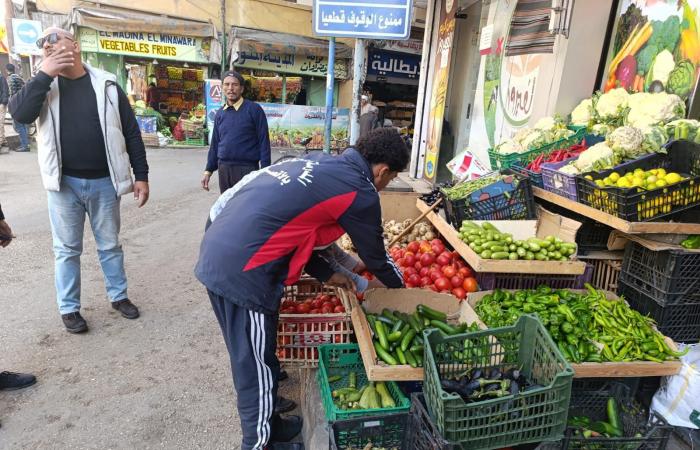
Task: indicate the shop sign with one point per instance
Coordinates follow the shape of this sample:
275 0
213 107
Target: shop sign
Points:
393 64
290 63
414 46
289 125
146 45
436 114
371 19
25 34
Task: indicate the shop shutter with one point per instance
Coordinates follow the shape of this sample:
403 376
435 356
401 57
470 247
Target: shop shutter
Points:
529 28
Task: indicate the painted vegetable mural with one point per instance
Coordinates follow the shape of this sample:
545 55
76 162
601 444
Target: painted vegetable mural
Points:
656 48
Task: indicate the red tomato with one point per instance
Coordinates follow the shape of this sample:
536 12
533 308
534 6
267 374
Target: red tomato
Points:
327 308
443 284
438 249
434 288
443 259
427 259
414 279
424 272
316 303
425 246
335 301
470 284
315 311
456 281
425 281
409 286
435 266
418 265
413 247
401 262
360 296
465 272
339 309
328 304
437 242
409 260
459 292
434 275
395 248
303 308
409 271
449 271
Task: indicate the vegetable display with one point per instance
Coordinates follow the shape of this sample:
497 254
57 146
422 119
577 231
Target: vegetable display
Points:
370 396
545 131
649 180
431 266
483 384
586 327
684 129
489 243
464 189
392 228
692 242
556 156
321 304
398 337
612 428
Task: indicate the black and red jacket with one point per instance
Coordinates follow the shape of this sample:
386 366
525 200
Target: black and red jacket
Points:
264 229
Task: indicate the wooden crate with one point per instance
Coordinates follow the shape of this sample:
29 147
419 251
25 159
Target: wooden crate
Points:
604 369
606 269
501 266
404 300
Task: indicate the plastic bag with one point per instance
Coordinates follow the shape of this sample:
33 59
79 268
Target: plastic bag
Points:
678 398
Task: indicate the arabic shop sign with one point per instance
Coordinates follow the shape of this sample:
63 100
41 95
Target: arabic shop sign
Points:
147 45
372 19
290 63
393 64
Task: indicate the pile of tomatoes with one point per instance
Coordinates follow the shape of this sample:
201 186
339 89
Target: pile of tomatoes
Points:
429 265
321 304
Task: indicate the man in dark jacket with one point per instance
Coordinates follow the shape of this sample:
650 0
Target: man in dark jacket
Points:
16 83
240 140
4 98
10 380
264 232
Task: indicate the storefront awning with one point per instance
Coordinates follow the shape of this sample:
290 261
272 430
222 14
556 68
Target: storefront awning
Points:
258 41
114 20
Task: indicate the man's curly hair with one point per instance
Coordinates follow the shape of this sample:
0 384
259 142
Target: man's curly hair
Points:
384 145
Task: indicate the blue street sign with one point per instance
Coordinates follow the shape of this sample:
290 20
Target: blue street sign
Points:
369 19
25 33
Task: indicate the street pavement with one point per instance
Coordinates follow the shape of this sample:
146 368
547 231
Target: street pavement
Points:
161 381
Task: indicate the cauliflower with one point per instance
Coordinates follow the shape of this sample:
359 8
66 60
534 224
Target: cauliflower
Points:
510 146
662 66
545 123
601 129
653 109
536 138
625 140
581 115
654 139
612 104
597 157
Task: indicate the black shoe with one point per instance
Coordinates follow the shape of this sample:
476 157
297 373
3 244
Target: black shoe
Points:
74 322
9 381
285 446
284 429
284 405
283 375
128 309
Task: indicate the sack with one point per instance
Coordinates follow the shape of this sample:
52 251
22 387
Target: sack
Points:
678 398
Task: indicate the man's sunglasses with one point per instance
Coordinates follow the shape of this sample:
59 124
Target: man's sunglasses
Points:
51 39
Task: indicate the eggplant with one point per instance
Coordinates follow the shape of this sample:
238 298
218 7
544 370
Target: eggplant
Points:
514 387
450 386
513 374
492 387
496 374
476 373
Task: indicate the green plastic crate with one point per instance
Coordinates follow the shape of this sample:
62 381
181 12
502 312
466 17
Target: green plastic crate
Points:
196 142
499 161
534 416
341 359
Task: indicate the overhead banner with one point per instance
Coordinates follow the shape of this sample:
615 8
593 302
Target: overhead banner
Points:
436 114
145 45
290 63
291 124
393 64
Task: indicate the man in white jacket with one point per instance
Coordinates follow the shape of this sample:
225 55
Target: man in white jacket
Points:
88 143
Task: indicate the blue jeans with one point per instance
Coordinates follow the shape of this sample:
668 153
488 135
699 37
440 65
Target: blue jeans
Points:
21 129
67 209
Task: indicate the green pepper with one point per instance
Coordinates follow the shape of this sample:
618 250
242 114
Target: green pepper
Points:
564 351
571 339
566 312
693 242
573 351
567 328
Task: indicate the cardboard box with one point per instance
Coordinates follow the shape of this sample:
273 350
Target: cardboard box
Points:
466 166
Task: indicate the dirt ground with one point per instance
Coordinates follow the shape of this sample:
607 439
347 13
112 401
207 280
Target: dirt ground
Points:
162 381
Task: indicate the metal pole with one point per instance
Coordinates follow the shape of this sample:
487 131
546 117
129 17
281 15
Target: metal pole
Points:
330 82
358 73
223 37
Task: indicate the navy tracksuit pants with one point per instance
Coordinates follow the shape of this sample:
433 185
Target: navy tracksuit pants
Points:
251 340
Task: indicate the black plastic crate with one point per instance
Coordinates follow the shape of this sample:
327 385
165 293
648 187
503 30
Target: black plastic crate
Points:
489 281
592 236
679 322
639 205
387 431
591 402
422 433
518 204
535 177
669 277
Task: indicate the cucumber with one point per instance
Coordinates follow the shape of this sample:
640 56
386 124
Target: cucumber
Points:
521 252
513 256
497 249
385 397
486 254
500 255
529 256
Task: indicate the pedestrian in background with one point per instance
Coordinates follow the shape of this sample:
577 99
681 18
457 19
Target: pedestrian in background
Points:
240 141
16 83
88 142
4 98
10 381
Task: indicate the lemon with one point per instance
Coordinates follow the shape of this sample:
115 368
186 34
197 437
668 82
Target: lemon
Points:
623 183
651 179
599 183
629 175
672 178
588 177
661 183
639 170
614 177
607 181
660 173
637 181
654 171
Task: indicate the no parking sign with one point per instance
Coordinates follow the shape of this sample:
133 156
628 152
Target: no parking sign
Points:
25 34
